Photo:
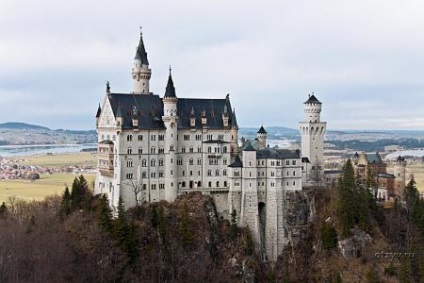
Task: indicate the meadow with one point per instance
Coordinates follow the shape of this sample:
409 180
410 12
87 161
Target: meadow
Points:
48 184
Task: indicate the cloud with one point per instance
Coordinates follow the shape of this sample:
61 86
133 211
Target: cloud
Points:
363 59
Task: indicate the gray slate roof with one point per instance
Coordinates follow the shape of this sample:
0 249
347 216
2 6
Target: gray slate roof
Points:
141 53
312 99
150 110
261 130
99 111
374 158
276 153
211 108
170 89
237 162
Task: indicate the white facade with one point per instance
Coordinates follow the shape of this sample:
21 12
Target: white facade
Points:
153 148
312 131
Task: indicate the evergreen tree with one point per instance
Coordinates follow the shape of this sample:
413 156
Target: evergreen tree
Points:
79 192
185 229
66 202
104 213
346 199
3 209
233 227
328 236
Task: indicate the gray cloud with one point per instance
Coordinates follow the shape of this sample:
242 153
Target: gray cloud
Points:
363 59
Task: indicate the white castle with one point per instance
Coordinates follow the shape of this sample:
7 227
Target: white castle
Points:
153 148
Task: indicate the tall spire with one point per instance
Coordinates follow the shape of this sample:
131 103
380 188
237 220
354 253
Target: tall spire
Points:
170 89
141 53
234 124
141 73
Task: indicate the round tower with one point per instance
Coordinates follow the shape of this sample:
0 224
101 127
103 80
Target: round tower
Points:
312 132
399 171
170 120
140 72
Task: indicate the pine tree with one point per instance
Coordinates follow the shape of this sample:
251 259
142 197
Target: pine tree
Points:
3 209
233 227
104 213
66 202
346 199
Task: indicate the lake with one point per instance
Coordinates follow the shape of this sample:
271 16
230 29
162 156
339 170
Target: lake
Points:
20 150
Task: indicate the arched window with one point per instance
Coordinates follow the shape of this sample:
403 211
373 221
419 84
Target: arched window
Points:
224 149
217 184
216 172
144 163
209 172
209 149
152 162
144 175
160 162
191 161
224 172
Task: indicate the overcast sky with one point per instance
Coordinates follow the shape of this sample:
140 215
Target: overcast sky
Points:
363 59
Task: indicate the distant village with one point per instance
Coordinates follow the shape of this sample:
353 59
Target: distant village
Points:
10 169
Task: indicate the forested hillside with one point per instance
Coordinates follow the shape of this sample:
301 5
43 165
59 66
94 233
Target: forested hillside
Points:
74 238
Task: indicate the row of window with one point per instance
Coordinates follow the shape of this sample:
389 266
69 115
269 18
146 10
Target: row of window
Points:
237 184
199 184
161 174
278 162
140 137
183 150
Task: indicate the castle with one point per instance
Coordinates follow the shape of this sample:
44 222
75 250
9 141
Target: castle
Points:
153 148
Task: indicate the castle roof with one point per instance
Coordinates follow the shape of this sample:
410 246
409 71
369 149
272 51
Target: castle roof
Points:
237 162
277 153
150 111
312 99
149 108
212 109
234 124
374 158
99 111
141 53
248 147
262 130
170 89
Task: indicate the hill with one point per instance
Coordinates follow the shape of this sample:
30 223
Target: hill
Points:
22 126
16 133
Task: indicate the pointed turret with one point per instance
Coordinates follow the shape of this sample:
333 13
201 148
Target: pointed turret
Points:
140 72
141 53
99 111
234 124
170 89
262 130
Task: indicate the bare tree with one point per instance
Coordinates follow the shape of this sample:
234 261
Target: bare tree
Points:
136 189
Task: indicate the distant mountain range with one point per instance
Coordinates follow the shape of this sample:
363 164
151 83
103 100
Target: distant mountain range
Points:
16 133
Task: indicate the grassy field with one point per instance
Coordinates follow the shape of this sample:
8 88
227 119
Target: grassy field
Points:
60 160
48 184
418 171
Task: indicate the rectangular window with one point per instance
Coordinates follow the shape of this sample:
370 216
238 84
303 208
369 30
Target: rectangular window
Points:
153 137
186 137
161 137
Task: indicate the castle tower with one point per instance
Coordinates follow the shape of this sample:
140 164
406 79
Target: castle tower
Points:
312 132
399 171
249 199
170 120
140 72
234 136
261 136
